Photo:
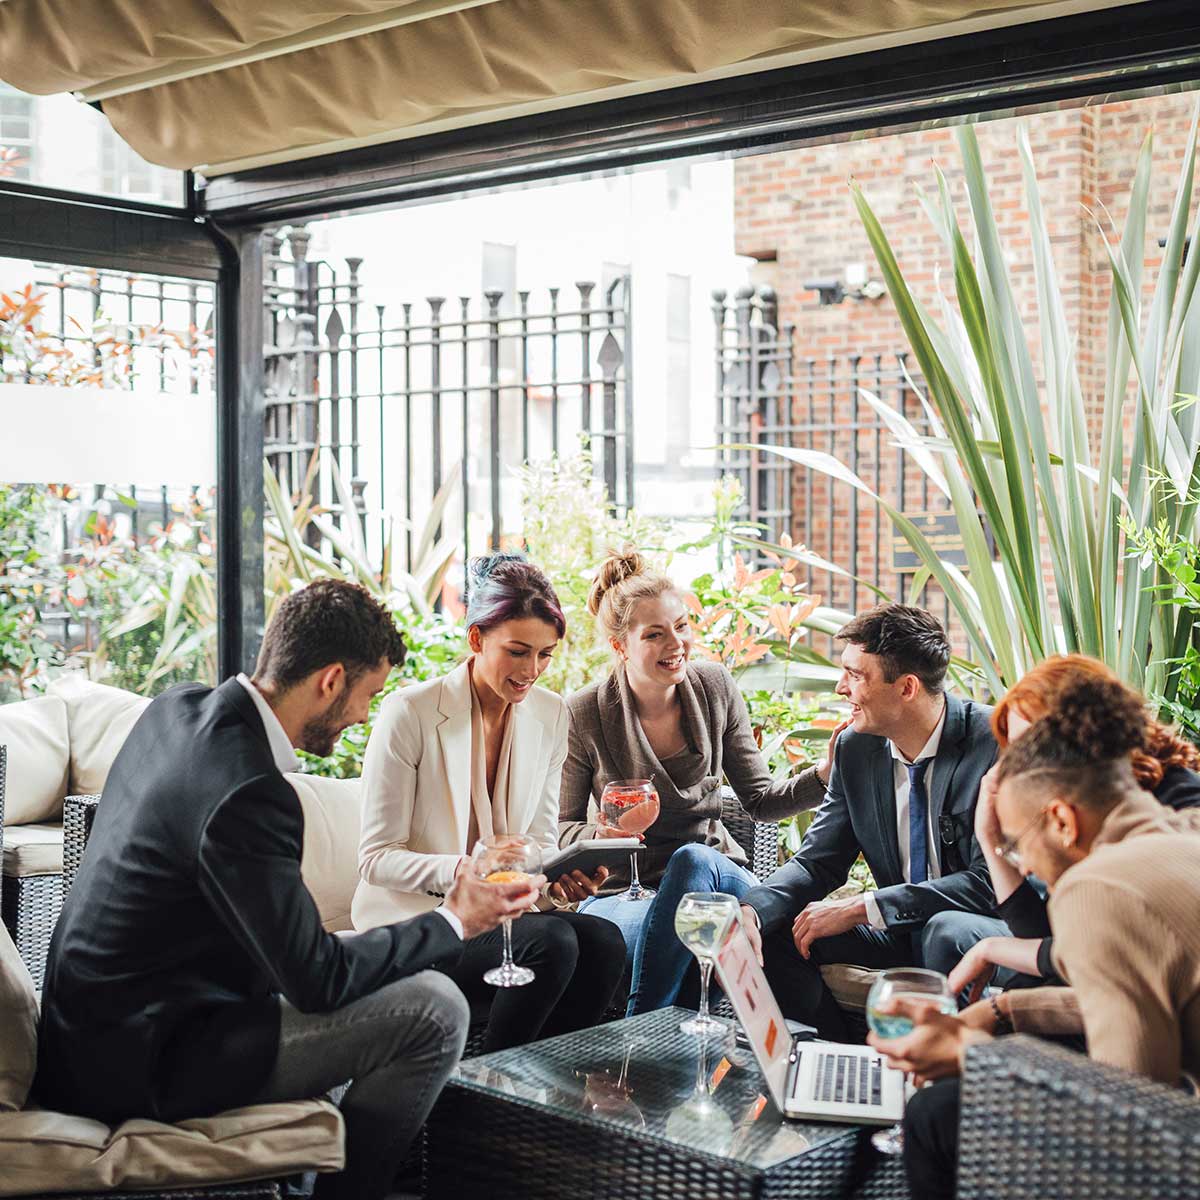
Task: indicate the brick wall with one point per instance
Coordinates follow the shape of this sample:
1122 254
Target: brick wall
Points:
794 213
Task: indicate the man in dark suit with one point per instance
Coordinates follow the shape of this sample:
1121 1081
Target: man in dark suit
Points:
902 793
189 972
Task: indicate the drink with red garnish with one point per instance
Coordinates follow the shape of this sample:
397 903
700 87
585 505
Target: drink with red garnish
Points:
631 806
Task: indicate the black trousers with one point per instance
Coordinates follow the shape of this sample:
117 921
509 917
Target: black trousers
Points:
931 1140
577 963
797 981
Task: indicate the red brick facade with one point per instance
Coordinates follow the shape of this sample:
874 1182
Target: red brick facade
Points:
794 213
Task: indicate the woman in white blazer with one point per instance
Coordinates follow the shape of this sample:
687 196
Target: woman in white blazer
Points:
475 753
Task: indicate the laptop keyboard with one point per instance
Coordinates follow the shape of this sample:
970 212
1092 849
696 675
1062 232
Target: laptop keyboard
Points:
848 1079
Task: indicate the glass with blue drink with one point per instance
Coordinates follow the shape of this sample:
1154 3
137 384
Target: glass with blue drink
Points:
903 983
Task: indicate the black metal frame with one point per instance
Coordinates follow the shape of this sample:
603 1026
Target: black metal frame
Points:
1145 46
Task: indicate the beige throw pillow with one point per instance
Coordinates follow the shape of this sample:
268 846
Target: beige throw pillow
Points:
18 1028
99 718
35 732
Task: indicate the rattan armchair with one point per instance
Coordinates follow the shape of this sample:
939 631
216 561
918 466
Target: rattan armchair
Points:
1039 1120
29 904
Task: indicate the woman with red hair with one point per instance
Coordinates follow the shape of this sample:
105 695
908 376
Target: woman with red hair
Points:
1164 765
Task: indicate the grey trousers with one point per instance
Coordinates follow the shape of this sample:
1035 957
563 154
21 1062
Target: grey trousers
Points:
399 1046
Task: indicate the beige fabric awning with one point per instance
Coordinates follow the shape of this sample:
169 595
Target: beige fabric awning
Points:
225 85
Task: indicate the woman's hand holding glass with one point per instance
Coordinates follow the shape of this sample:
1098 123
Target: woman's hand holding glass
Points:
629 806
503 861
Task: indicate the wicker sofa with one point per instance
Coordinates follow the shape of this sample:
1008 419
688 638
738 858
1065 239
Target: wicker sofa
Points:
1038 1120
58 745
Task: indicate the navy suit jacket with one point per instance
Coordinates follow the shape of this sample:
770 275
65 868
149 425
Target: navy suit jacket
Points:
859 815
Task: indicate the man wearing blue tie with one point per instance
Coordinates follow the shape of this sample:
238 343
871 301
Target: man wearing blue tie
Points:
902 793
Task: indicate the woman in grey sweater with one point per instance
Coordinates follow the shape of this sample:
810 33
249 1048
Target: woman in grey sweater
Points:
684 725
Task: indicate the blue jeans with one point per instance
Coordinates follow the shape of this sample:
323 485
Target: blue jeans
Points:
660 961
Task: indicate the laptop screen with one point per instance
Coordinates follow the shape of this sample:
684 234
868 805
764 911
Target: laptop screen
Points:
757 1009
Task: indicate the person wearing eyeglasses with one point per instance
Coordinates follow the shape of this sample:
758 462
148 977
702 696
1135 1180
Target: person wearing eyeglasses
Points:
1014 946
1124 892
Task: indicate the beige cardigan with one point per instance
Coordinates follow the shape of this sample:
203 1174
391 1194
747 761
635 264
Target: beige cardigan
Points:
606 742
1127 939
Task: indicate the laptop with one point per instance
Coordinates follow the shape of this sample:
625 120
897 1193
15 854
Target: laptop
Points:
807 1079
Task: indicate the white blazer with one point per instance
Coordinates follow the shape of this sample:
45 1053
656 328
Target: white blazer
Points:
417 792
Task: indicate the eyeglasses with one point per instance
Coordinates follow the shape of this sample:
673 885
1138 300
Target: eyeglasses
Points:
1007 849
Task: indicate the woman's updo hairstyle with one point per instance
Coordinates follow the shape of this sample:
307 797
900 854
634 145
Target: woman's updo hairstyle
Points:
508 587
1081 747
623 581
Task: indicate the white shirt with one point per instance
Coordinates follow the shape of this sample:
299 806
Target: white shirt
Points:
900 766
286 760
281 745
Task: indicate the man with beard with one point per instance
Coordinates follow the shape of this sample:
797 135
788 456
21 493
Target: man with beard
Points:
189 972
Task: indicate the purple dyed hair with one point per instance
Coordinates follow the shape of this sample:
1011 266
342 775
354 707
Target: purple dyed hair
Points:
507 587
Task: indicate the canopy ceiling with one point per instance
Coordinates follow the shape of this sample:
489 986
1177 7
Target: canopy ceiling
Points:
228 85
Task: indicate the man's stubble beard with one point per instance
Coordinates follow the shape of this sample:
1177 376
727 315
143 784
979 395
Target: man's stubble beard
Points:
319 735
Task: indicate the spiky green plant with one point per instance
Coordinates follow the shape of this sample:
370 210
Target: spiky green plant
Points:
1015 456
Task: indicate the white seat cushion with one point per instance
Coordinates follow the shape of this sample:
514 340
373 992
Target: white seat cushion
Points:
18 1028
35 732
33 850
329 866
50 1152
849 984
99 719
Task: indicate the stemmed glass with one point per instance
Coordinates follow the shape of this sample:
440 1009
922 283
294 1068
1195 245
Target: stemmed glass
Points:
699 1121
701 922
507 858
630 805
907 983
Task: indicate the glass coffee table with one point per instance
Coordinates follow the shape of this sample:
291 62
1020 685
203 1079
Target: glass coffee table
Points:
636 1110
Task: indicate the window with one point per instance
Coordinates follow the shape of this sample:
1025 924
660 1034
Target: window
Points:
58 142
679 364
16 133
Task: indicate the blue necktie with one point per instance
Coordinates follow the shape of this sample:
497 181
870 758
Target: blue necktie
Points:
918 822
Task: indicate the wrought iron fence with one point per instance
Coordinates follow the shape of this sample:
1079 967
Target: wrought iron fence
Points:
402 398
120 332
769 394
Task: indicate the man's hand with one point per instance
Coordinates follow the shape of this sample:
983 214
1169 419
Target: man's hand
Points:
753 933
825 766
572 888
933 1049
976 970
827 918
982 1015
481 906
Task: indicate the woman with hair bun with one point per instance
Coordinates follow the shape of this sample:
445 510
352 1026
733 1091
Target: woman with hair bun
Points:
684 725
1124 893
477 753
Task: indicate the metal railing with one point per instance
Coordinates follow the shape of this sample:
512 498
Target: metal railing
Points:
403 396
770 395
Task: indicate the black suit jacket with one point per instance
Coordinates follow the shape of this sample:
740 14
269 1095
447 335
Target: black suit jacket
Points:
187 920
859 814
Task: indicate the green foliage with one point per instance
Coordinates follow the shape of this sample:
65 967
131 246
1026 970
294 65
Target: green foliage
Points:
569 527
1179 561
1016 458
24 649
